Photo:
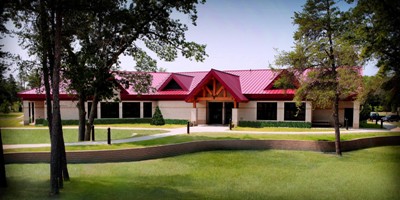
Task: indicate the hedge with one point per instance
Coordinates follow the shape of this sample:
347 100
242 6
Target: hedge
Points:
114 121
261 124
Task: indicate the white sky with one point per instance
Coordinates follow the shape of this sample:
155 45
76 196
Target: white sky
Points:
239 34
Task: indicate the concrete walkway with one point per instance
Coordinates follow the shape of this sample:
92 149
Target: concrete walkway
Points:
196 129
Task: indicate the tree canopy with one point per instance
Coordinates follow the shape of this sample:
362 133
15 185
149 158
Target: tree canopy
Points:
374 28
322 59
81 41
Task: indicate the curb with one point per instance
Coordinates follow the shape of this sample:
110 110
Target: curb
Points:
138 154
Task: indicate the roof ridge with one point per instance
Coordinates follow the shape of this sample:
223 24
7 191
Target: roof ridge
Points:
178 73
224 72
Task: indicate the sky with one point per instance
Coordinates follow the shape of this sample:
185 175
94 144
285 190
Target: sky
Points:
239 34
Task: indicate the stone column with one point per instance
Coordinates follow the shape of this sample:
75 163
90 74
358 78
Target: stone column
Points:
193 116
235 116
141 110
25 109
280 111
120 110
308 111
99 110
356 114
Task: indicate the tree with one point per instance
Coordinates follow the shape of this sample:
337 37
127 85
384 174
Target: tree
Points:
40 26
158 118
114 28
375 29
322 59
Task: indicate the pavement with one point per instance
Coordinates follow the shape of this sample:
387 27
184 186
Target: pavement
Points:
196 129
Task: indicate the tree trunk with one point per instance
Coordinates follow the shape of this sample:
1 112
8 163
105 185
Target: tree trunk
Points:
93 111
82 117
55 165
337 130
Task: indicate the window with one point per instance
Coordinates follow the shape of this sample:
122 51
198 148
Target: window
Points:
89 108
266 111
294 113
109 110
131 110
172 85
147 110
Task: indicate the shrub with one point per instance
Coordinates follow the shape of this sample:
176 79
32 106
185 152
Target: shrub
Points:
40 121
260 124
175 121
157 118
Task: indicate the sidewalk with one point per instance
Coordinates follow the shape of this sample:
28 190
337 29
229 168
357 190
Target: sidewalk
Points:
196 129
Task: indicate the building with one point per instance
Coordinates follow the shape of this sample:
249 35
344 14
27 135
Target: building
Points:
207 97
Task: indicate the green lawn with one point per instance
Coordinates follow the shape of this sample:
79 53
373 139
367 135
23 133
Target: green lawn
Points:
37 136
282 129
11 120
273 174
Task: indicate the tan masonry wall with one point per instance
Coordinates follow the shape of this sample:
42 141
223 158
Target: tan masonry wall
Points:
175 109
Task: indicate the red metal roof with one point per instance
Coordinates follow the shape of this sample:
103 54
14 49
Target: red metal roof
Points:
183 80
230 81
242 84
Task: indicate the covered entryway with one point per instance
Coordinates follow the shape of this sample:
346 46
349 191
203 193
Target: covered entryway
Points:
221 92
348 114
215 112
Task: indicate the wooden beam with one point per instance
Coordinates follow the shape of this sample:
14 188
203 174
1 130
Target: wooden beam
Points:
234 104
214 86
225 95
215 99
220 90
209 91
194 104
204 92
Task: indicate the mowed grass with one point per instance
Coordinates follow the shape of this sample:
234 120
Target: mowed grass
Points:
214 136
38 136
273 174
282 129
11 120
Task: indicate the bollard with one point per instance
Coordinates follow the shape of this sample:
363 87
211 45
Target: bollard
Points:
230 124
381 123
93 133
376 122
347 123
109 136
188 128
3 179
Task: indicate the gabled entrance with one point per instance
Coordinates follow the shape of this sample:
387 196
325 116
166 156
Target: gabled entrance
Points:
215 112
221 92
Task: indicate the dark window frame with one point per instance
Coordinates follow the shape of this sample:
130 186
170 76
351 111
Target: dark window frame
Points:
109 109
147 109
130 109
292 112
267 111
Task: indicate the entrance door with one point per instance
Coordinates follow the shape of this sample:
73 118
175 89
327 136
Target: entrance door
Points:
215 112
348 114
228 112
